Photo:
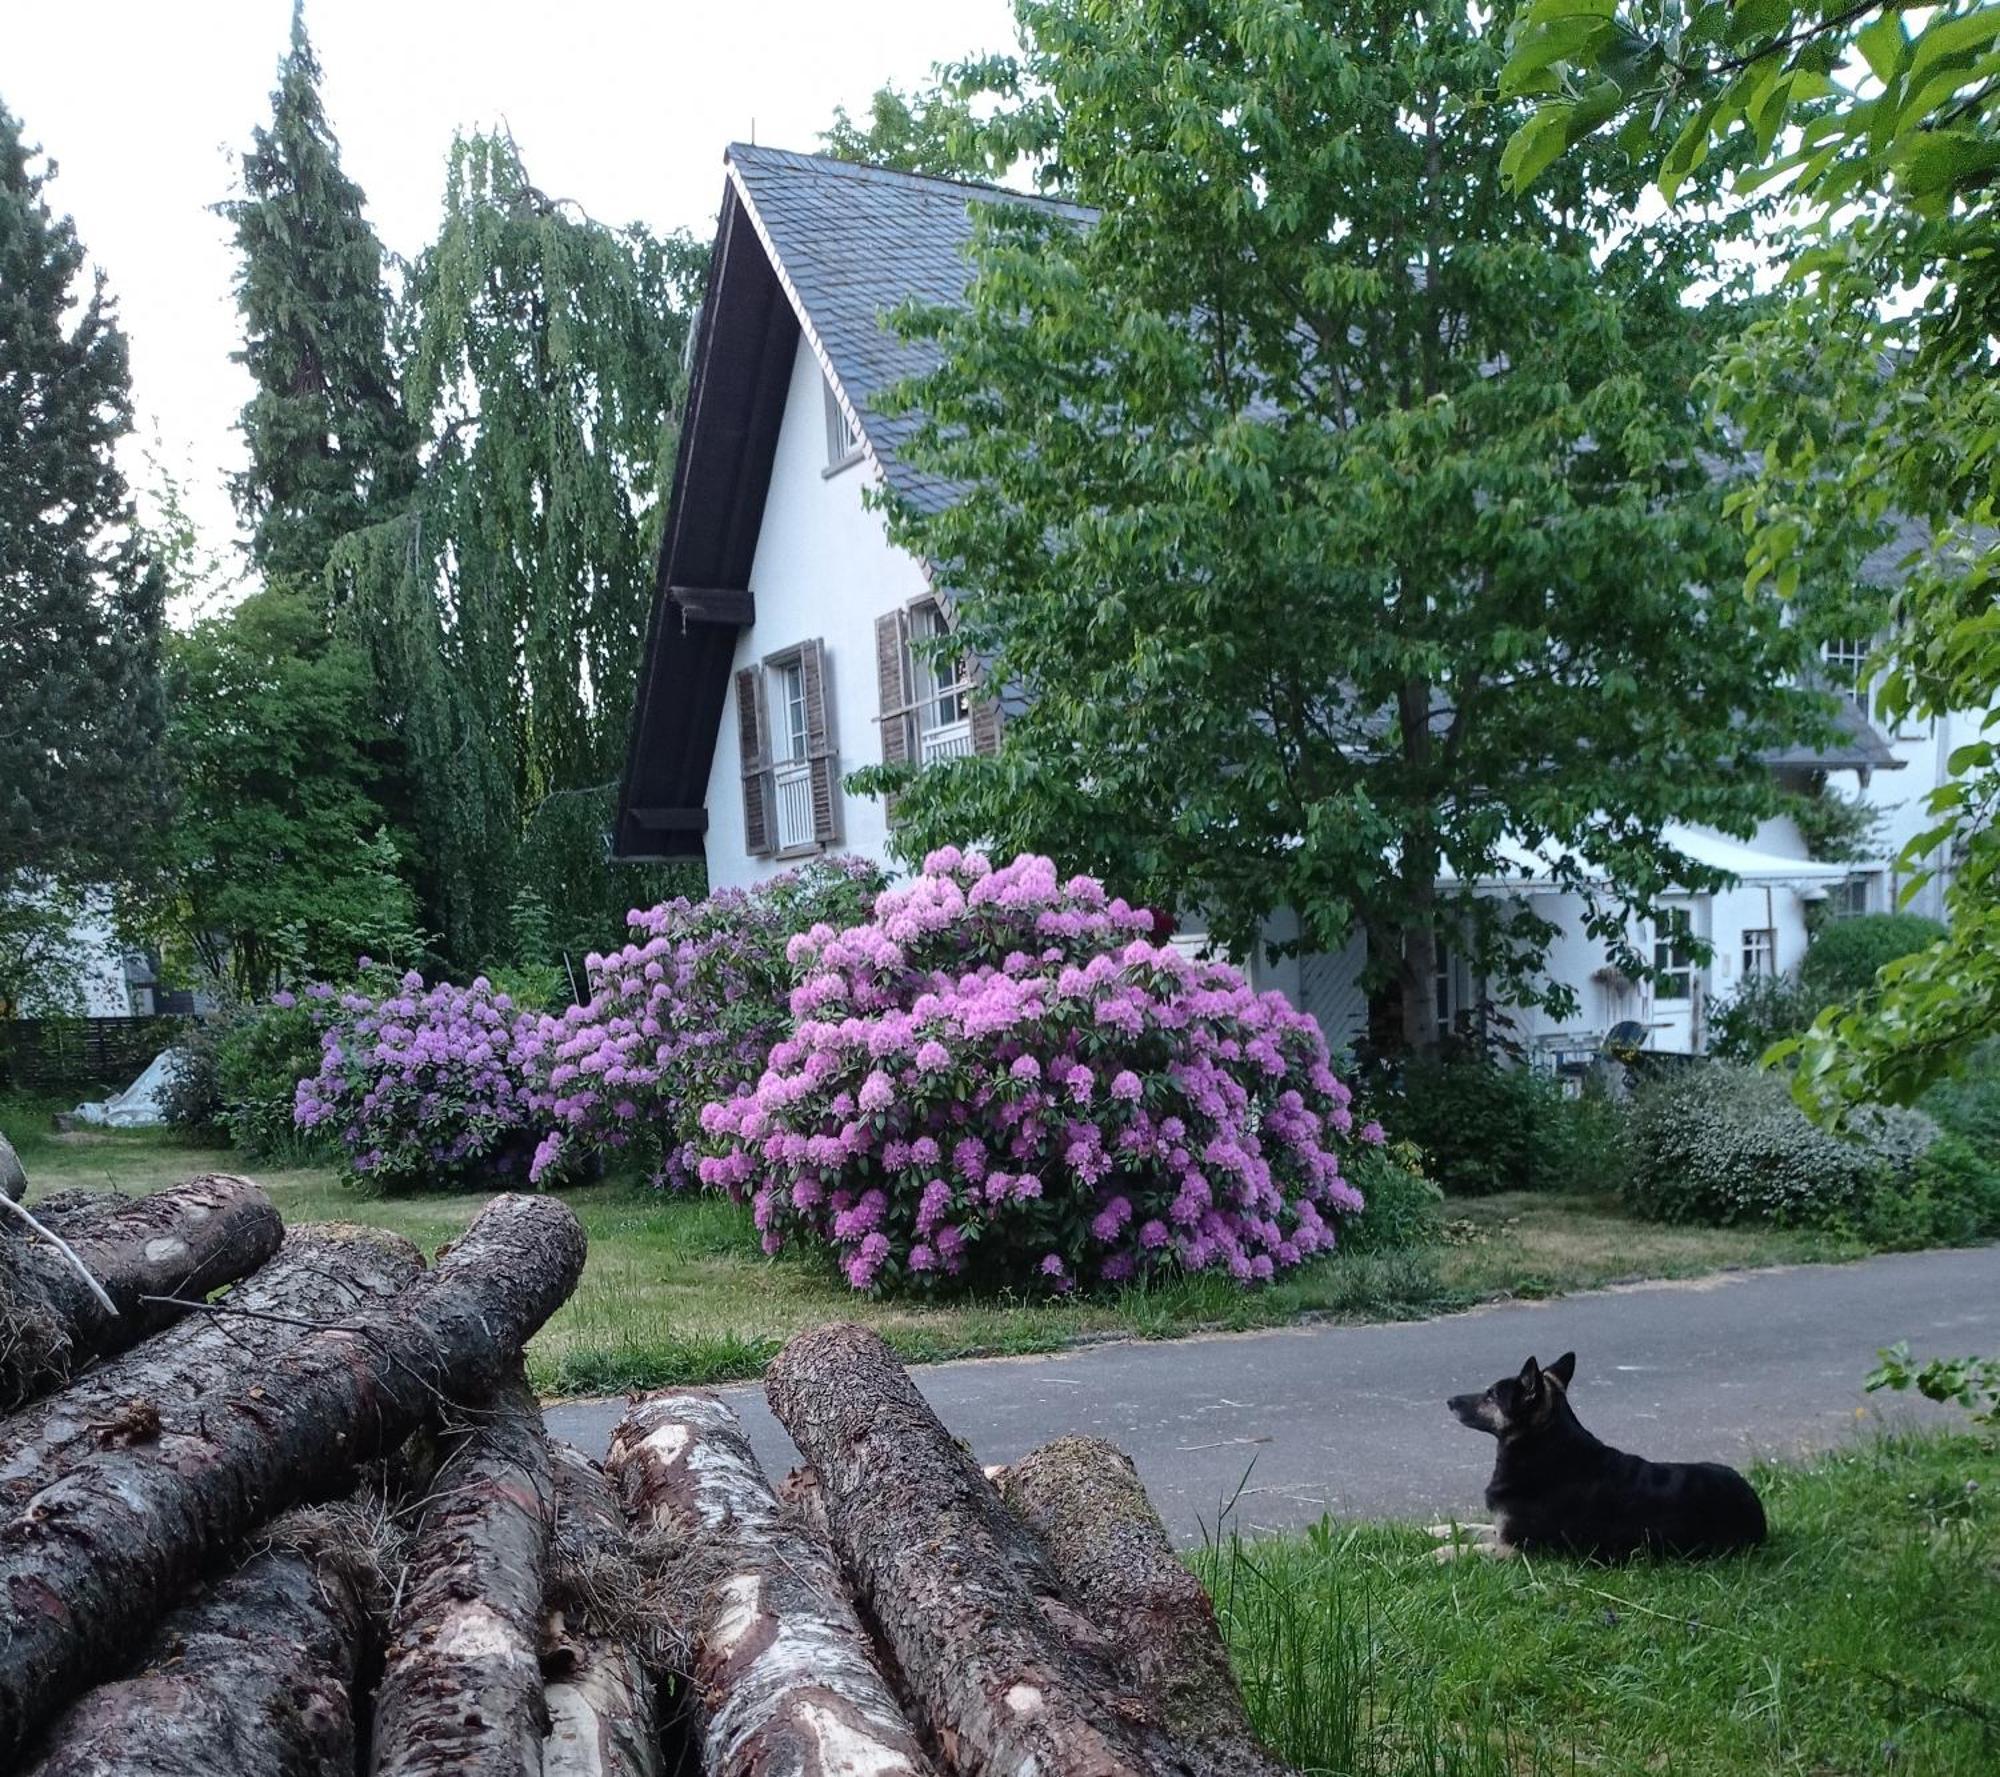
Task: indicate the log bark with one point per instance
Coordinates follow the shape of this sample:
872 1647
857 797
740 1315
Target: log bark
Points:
254 1677
321 1273
13 1181
602 1708
784 1679
1112 1555
93 1557
182 1243
1011 1678
461 1692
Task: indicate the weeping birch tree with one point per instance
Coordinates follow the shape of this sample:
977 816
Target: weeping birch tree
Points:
505 607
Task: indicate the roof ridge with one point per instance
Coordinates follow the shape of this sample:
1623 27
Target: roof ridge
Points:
867 171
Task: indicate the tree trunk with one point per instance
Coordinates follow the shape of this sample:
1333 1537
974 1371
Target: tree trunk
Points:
13 1181
784 1680
1084 1500
320 1273
254 1677
603 1717
113 1536
181 1242
1010 1677
461 1688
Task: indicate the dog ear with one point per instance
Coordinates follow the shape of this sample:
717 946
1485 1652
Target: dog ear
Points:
1530 1377
1564 1368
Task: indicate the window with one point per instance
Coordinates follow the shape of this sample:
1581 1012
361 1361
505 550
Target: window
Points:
1441 987
943 728
1846 661
791 787
1673 957
843 441
1760 952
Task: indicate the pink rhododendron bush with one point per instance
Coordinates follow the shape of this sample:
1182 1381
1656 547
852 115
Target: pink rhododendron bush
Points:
1000 1080
684 1013
418 1084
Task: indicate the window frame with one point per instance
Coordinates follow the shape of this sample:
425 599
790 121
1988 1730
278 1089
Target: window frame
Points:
931 696
844 445
1673 937
1759 951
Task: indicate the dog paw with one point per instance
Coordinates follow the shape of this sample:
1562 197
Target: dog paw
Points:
1460 1532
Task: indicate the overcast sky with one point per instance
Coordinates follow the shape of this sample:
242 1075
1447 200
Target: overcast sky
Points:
623 105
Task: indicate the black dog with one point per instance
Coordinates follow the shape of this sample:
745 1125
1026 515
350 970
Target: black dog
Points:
1556 1488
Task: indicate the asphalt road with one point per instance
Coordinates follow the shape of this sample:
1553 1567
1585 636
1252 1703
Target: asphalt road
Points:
1295 1423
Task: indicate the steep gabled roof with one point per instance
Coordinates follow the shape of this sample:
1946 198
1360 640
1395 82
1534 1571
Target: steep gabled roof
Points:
807 244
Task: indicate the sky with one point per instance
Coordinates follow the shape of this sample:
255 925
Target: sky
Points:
622 105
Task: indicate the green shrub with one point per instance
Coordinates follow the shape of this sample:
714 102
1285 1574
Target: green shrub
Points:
1844 954
1721 1144
1969 1104
1766 1009
261 1056
1952 1198
1403 1208
1486 1127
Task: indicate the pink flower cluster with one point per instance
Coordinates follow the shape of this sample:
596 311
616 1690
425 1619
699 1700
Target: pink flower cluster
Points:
999 1079
418 1083
684 1013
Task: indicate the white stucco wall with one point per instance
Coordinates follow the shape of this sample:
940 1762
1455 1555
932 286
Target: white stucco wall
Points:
1900 797
824 568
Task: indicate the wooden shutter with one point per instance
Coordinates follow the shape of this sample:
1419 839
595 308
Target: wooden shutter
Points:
892 672
751 729
821 733
985 707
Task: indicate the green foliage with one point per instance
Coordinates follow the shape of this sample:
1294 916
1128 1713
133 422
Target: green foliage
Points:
325 430
505 609
1279 512
1969 1382
281 865
1968 1104
1836 828
565 854
81 706
1483 1126
1401 1208
1722 1144
262 1055
1869 396
1952 1198
40 971
1846 954
1765 1010
926 132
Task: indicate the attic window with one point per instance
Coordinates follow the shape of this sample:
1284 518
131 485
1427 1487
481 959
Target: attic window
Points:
843 438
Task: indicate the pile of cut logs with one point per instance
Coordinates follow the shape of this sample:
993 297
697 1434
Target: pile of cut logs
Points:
312 1525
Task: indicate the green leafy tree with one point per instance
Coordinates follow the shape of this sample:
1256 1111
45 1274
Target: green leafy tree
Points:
280 865
505 608
325 428
81 703
1870 397
1337 515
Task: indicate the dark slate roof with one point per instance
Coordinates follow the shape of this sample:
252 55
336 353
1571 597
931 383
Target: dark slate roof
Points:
852 243
1855 745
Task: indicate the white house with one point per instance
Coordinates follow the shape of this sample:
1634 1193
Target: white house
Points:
778 656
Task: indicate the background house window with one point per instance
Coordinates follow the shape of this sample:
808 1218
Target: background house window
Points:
944 725
1760 952
843 441
1673 957
1846 662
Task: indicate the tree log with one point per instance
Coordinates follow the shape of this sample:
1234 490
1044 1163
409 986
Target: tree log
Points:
1110 1551
320 1274
1008 1674
13 1181
603 1714
461 1690
254 1677
784 1679
182 1242
92 1558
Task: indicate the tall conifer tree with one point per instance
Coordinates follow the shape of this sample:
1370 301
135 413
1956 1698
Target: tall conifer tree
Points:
328 443
81 705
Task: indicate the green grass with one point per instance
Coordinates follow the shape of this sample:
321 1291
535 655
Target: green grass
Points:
1865 1637
677 1292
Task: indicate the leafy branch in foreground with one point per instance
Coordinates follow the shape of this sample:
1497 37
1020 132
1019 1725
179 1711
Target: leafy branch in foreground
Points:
1969 1382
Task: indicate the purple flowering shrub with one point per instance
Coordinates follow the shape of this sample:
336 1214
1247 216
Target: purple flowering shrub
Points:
419 1084
684 1013
1000 1080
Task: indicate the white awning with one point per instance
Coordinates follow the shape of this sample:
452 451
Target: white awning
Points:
1523 868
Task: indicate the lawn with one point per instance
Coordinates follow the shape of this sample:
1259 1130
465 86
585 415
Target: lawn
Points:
1864 1637
677 1292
